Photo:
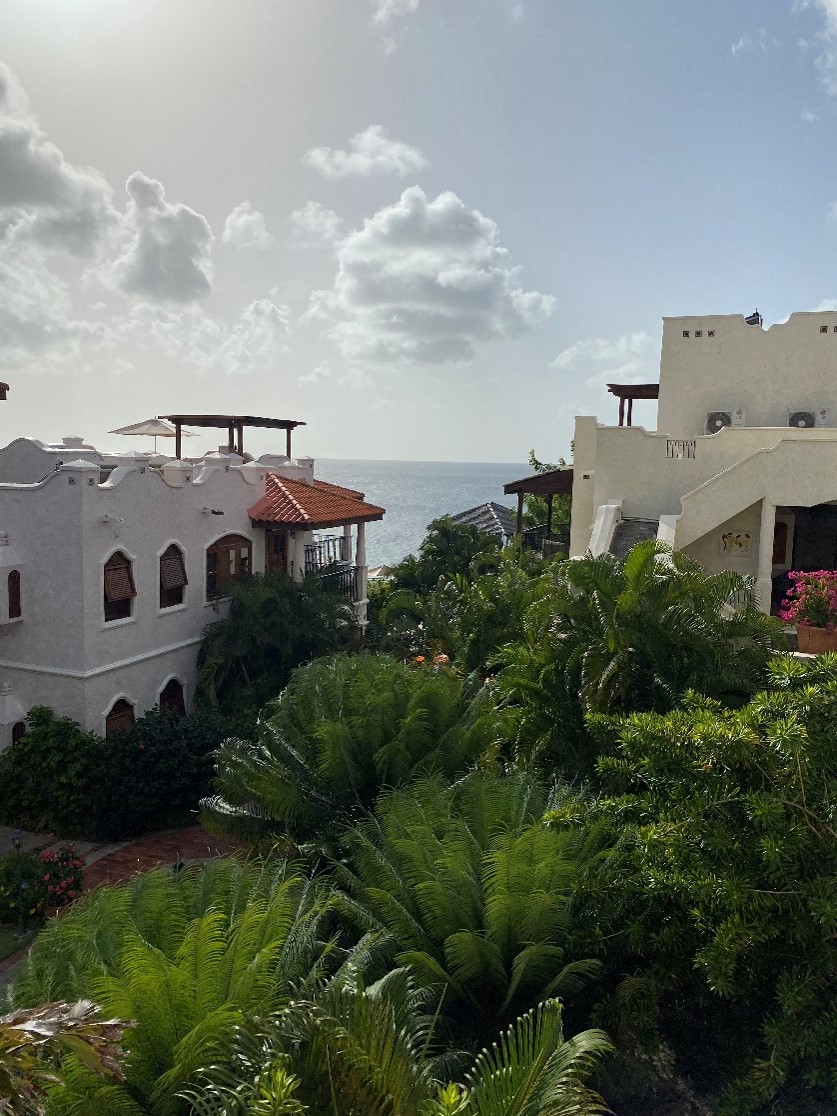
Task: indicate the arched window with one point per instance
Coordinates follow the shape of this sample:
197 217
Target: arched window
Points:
227 560
121 717
173 579
18 731
172 697
119 587
14 594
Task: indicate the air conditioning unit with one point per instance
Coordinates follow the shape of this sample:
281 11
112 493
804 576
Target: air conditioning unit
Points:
803 419
717 420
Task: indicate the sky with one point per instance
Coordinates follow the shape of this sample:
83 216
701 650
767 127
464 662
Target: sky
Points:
429 229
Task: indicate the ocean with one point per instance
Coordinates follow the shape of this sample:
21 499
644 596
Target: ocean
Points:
416 492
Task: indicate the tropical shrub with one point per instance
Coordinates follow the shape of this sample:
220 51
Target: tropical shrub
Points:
63 875
614 635
345 728
811 599
448 548
189 957
154 774
721 886
45 778
466 616
61 779
15 868
274 624
368 1052
473 893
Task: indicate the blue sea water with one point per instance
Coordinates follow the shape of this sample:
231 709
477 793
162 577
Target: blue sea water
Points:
416 492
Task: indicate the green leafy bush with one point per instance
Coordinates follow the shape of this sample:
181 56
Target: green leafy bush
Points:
28 868
721 888
61 779
46 778
154 773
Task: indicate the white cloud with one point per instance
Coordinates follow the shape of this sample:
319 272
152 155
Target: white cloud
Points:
246 227
190 337
167 257
425 281
370 152
761 40
629 358
386 10
315 226
809 115
43 198
826 40
36 312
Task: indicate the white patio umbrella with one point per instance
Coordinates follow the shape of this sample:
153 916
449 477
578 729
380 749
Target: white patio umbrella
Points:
153 428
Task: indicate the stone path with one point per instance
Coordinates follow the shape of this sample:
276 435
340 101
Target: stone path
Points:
111 864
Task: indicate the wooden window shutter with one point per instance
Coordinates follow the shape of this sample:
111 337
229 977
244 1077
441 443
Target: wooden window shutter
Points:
119 580
14 594
173 570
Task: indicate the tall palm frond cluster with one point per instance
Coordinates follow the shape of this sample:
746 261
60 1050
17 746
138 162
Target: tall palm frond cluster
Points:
343 729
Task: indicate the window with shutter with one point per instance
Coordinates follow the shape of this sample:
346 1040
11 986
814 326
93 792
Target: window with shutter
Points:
14 594
173 577
119 587
121 717
227 560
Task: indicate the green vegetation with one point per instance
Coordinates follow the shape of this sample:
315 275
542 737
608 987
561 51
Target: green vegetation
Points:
59 778
560 796
273 625
343 729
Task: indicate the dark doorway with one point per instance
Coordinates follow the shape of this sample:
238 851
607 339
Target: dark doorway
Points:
815 538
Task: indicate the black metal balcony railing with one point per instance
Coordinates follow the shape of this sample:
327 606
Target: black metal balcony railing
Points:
323 552
342 581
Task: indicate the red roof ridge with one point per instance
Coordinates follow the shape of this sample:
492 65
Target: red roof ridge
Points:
283 482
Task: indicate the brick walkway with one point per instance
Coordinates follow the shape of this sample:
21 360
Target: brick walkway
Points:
113 863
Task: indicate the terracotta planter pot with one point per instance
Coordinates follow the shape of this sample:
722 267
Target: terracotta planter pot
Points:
813 641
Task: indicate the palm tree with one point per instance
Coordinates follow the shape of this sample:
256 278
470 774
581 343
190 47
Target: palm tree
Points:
273 625
344 728
472 892
187 957
357 1051
613 635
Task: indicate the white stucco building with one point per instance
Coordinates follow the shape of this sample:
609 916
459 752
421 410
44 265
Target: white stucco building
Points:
741 472
112 565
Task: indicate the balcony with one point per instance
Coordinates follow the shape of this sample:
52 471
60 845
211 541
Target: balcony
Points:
341 581
323 552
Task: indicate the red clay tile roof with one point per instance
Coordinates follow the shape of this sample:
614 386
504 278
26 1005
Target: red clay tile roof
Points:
311 506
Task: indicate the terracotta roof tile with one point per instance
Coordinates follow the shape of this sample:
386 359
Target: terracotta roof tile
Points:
320 504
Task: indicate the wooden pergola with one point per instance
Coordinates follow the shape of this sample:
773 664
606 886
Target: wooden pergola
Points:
556 482
234 425
628 393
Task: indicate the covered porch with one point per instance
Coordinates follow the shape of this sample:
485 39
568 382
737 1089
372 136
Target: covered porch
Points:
548 537
318 529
